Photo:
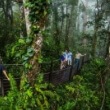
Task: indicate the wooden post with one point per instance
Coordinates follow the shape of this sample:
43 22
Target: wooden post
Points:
83 59
70 75
2 87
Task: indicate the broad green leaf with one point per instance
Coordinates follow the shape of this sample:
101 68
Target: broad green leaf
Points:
30 49
29 92
28 40
25 57
21 41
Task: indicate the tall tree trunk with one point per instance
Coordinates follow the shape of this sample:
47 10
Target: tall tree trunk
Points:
22 16
21 8
37 45
85 17
77 23
108 46
78 17
108 42
37 41
94 42
62 21
26 13
66 35
57 31
68 28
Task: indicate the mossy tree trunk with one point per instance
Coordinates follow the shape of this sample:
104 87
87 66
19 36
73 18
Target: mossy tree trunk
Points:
94 41
21 9
85 17
35 23
28 23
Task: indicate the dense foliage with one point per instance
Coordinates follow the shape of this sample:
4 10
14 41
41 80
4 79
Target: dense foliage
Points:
85 91
55 26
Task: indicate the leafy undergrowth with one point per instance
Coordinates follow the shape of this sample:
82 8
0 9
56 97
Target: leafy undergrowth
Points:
84 92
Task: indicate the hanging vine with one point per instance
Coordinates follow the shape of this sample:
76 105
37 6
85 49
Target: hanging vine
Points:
28 49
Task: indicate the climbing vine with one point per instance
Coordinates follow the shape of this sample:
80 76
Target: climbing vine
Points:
30 47
39 10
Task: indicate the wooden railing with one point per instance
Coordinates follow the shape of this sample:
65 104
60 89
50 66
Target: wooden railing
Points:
55 77
61 76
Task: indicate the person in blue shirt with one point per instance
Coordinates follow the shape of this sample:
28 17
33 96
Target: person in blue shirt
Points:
3 71
62 58
69 57
66 55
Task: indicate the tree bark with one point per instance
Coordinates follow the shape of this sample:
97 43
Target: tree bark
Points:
26 13
68 27
94 42
108 46
85 17
36 44
21 8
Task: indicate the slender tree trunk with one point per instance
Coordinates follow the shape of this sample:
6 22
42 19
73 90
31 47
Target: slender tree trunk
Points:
108 42
10 14
36 44
66 35
77 23
108 46
57 31
78 16
85 17
62 21
26 13
21 8
68 28
94 42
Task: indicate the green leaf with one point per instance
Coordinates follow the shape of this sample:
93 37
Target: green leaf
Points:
29 92
28 40
36 12
25 57
18 55
30 49
48 1
27 65
21 41
13 49
27 4
30 54
45 12
71 89
40 59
